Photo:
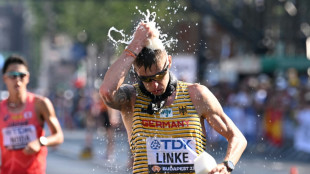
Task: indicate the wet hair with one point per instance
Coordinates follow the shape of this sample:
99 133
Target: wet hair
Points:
148 57
14 59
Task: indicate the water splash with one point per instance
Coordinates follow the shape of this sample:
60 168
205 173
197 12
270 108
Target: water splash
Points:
121 32
160 41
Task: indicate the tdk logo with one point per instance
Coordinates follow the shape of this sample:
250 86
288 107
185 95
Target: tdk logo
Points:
169 144
155 145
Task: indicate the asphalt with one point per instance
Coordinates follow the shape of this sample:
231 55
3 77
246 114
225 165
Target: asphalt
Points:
258 157
74 141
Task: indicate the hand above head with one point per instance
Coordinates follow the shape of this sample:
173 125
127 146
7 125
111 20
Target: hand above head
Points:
143 33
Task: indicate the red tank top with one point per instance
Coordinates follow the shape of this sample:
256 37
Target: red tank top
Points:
17 129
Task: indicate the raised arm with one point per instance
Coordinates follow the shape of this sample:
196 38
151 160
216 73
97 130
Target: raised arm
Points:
114 94
208 107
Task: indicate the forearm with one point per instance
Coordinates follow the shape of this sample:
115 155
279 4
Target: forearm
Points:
56 137
115 76
118 71
235 148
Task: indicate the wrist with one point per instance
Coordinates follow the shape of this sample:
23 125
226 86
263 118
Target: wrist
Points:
130 53
135 48
229 165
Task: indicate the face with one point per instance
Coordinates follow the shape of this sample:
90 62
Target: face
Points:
156 78
16 78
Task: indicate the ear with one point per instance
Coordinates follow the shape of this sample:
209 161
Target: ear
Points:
3 78
170 60
28 77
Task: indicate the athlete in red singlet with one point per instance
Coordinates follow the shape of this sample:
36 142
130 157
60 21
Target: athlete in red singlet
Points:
22 118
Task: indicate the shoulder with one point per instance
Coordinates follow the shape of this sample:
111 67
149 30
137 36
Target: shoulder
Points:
197 90
40 98
203 99
41 101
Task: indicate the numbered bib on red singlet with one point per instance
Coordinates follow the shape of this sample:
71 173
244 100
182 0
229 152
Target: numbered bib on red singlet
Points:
17 137
171 155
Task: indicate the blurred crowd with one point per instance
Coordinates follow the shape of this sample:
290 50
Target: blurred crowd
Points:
269 109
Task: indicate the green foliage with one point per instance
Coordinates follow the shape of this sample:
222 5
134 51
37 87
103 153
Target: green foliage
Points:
95 17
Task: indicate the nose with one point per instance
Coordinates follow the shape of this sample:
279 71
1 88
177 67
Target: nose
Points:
18 81
153 84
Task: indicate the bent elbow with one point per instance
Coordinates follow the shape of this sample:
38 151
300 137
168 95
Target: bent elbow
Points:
60 138
244 142
105 94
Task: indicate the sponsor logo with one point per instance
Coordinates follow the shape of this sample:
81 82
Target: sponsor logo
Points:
166 113
18 123
17 117
27 114
156 169
155 145
6 117
172 144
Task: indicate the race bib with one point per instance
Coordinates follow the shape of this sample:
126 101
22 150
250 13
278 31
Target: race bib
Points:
171 155
18 137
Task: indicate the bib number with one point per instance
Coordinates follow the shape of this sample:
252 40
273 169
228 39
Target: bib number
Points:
18 137
171 155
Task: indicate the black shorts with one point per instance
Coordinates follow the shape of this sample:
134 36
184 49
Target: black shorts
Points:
104 119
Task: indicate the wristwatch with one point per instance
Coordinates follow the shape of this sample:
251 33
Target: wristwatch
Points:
229 165
43 141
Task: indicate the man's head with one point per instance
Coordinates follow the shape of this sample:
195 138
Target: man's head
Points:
15 73
152 68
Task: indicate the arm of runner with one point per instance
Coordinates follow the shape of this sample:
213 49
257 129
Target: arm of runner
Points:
114 94
114 116
209 107
45 108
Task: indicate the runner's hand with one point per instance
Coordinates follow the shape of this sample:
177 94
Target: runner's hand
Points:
141 37
32 147
219 169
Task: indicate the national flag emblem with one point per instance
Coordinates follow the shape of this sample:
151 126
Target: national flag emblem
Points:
183 110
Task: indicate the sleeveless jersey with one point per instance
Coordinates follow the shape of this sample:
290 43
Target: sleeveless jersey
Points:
167 141
17 129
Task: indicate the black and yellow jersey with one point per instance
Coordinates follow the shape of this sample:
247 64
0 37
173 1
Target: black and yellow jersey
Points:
167 141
